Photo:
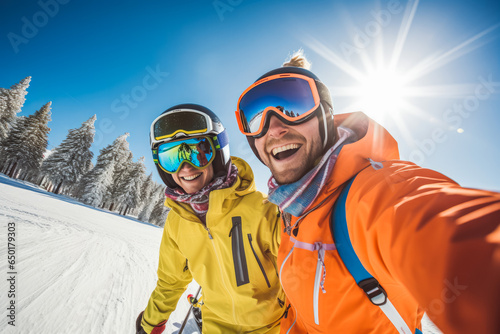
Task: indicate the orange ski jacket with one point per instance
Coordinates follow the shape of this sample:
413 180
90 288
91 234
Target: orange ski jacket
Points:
433 246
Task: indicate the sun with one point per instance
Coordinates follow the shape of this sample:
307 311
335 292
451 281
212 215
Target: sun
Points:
382 91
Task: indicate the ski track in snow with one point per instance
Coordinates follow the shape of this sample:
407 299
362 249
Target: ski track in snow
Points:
79 269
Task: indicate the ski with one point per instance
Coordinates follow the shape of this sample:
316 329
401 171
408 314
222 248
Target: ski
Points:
189 312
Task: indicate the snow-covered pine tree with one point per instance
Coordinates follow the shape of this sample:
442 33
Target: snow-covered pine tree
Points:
37 140
11 102
72 158
4 115
129 188
157 192
76 189
124 161
16 132
94 185
159 211
26 144
145 192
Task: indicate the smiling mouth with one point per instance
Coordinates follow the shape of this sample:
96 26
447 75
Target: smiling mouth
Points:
285 151
191 177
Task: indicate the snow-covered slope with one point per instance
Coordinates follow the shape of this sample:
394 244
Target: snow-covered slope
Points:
79 269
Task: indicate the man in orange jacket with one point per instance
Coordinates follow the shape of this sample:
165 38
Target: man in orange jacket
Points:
423 243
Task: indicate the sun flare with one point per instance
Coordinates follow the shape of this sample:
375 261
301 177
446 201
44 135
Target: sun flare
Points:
382 91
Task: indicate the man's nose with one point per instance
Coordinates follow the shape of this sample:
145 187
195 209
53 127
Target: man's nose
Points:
276 127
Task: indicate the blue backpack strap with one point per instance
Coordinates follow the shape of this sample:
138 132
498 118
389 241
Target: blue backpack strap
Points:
364 280
369 284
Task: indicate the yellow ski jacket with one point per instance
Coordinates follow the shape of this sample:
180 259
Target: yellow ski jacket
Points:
233 258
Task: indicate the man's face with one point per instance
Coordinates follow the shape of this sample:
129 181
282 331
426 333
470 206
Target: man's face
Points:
191 179
290 151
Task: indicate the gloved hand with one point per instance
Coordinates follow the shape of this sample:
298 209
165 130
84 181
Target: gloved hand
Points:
138 327
158 329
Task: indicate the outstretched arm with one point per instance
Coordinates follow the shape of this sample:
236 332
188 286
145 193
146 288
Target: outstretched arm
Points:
441 241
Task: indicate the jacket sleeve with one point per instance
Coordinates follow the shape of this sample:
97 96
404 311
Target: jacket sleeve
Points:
272 225
441 241
173 278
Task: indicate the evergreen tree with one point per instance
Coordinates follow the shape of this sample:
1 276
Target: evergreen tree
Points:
157 193
72 158
159 212
26 144
123 163
11 102
129 188
145 192
94 185
17 132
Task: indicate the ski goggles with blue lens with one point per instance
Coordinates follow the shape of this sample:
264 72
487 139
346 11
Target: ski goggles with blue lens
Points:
292 97
179 123
199 152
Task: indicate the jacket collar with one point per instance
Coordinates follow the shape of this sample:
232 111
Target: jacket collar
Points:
244 184
374 143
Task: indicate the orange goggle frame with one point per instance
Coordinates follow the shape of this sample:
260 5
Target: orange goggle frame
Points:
297 99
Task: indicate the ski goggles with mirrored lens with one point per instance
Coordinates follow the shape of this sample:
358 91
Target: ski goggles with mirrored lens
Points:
199 152
182 121
293 97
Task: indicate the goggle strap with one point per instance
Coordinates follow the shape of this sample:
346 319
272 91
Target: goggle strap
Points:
155 156
325 125
221 140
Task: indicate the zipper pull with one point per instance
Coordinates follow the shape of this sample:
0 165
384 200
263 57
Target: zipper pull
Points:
209 234
375 164
285 315
236 222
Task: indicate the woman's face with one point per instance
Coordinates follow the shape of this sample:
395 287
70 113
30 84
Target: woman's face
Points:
191 179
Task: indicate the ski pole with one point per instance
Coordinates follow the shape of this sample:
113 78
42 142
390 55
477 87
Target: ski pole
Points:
189 312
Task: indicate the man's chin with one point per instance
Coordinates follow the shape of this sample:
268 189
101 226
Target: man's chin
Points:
285 172
287 176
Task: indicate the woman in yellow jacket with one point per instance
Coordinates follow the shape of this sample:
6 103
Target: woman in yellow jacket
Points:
220 231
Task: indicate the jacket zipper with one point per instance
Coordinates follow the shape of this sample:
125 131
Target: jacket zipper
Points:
319 275
221 273
258 261
317 280
239 258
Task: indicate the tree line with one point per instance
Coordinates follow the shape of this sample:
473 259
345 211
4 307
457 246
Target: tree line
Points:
116 182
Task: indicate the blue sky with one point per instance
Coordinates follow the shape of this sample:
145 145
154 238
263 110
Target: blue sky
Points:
429 71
